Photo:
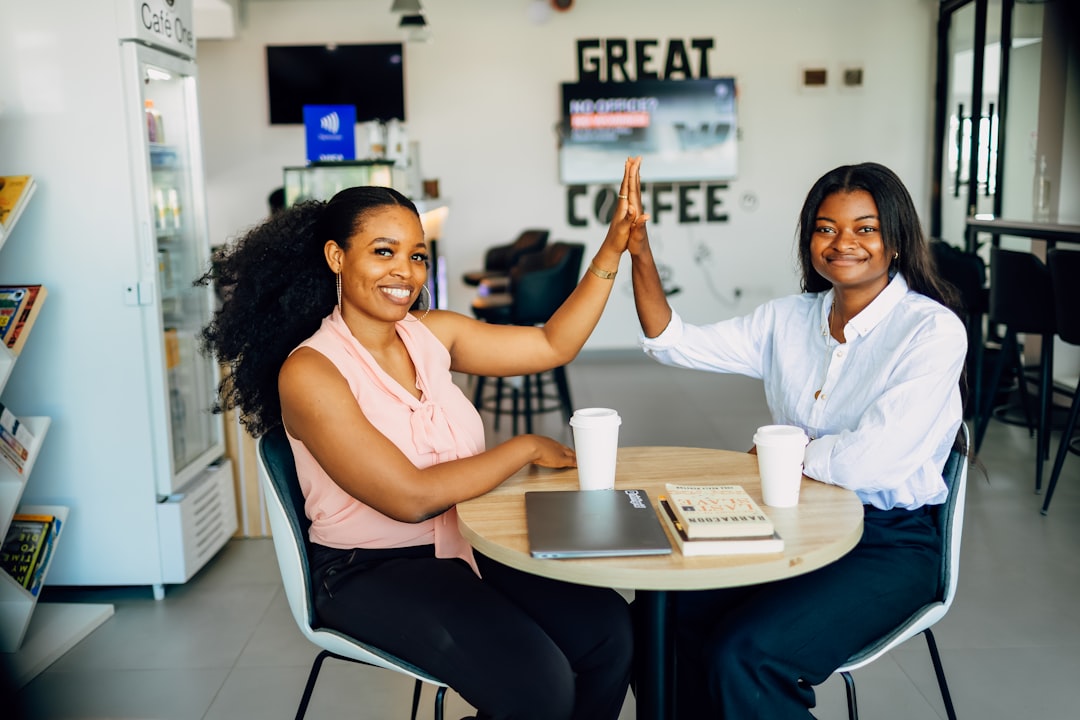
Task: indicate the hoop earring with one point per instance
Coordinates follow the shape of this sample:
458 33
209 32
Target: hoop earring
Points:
337 282
424 288
896 255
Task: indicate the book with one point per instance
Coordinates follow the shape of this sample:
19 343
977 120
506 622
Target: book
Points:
15 336
717 511
716 546
22 554
37 579
15 439
11 304
15 192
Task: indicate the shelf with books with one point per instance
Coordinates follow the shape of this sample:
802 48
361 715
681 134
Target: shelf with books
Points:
16 600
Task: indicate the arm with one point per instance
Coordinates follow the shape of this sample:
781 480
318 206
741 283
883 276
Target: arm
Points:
653 310
319 409
486 349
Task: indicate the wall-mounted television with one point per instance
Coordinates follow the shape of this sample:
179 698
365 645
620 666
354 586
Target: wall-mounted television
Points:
369 76
685 130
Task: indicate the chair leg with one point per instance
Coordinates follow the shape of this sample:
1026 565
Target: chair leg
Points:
417 687
1046 401
498 401
478 393
527 385
312 677
440 697
1063 450
940 672
564 391
852 705
983 414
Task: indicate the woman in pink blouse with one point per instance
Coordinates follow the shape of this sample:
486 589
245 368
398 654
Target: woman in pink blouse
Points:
322 331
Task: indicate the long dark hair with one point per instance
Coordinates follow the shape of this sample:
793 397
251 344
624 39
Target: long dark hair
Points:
276 288
901 230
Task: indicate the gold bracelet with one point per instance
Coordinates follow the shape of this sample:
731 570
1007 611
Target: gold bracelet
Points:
602 274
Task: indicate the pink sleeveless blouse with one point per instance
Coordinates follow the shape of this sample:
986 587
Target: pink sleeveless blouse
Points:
442 425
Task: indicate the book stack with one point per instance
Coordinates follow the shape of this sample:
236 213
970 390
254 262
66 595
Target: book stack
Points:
15 440
717 520
19 308
27 547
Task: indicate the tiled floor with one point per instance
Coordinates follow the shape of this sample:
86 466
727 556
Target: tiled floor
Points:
224 646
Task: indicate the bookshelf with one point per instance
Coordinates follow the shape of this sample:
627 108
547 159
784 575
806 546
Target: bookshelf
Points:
34 635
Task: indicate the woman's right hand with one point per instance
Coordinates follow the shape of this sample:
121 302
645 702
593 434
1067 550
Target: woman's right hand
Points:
551 453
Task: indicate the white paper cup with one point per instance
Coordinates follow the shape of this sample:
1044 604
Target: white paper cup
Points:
596 441
780 451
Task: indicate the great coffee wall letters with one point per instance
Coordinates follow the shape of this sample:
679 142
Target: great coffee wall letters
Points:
621 60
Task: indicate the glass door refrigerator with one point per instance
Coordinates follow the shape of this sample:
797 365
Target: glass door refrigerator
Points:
120 234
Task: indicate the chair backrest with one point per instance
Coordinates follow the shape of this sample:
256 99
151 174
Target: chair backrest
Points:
541 282
1065 277
950 515
1020 292
950 520
965 271
288 524
501 258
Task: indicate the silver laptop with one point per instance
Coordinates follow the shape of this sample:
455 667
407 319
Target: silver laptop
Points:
593 523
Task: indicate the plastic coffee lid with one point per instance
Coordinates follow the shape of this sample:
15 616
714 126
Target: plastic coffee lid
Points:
779 433
595 417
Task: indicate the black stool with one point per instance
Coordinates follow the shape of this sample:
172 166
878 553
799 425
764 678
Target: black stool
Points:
500 258
1022 300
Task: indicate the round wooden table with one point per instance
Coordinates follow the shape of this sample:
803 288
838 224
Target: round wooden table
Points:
825 524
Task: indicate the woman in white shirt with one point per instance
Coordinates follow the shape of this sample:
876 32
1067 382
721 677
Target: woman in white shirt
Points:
868 360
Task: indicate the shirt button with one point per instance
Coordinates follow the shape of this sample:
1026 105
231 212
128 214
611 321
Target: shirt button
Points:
839 353
821 396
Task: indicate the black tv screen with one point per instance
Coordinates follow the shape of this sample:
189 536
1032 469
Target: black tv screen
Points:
369 76
685 130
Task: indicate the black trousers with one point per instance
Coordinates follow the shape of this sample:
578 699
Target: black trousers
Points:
756 651
513 645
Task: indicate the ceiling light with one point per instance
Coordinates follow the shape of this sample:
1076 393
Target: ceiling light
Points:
411 7
412 21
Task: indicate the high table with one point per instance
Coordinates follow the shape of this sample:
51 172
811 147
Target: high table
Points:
825 524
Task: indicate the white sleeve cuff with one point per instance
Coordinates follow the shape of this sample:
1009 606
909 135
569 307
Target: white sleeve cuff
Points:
669 338
817 458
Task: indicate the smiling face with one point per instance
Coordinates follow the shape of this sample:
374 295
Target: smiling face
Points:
846 246
385 266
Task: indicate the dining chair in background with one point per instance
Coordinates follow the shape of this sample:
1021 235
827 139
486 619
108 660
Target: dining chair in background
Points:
966 271
498 259
539 284
289 528
1065 277
950 522
1021 300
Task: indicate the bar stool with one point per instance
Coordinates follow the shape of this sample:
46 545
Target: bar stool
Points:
1065 276
539 284
1022 300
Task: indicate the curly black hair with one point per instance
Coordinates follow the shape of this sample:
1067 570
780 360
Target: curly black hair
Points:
276 288
901 229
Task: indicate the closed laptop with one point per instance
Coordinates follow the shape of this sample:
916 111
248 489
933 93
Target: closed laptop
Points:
593 523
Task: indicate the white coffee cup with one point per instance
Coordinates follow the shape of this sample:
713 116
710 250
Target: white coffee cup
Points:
596 441
780 451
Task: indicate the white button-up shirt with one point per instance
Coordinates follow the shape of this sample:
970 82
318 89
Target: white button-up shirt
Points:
881 409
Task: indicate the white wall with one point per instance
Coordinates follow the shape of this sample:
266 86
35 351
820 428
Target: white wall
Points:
482 100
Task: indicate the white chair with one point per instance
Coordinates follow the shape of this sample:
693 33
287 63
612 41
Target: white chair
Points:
950 519
289 525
